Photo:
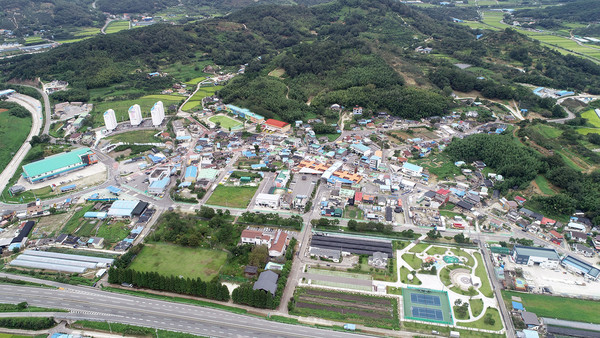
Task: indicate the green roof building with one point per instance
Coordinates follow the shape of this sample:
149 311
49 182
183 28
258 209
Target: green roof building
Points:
59 164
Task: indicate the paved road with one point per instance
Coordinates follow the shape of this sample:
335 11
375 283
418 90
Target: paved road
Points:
47 108
94 304
34 106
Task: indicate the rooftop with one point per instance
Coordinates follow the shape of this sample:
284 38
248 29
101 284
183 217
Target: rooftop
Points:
537 252
55 162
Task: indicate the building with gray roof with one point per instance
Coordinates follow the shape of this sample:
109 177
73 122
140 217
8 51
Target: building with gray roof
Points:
578 266
527 255
267 281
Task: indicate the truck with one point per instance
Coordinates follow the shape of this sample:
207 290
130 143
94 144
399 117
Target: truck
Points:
350 327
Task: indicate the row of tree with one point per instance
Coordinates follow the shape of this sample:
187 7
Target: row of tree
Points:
294 221
155 281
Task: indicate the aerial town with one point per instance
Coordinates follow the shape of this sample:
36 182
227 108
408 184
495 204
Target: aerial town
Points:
322 169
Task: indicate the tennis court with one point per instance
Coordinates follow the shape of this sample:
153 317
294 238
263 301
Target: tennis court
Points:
427 305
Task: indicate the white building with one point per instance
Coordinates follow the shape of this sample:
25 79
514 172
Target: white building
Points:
267 200
255 238
544 257
158 113
412 169
110 120
135 115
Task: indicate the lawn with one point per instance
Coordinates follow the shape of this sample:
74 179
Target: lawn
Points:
404 277
544 185
168 259
141 136
462 253
121 108
437 250
113 232
480 324
13 132
225 121
234 197
196 100
476 306
486 288
116 26
419 247
412 260
579 310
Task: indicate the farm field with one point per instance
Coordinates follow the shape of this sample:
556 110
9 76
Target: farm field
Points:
592 117
112 232
82 33
547 131
13 132
234 197
544 185
121 107
225 121
190 74
353 212
169 259
141 136
76 221
116 26
558 307
347 307
585 131
196 100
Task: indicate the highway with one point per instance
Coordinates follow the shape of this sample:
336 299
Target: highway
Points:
93 304
34 106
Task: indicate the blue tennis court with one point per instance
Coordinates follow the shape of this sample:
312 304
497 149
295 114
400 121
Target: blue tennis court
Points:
419 298
425 313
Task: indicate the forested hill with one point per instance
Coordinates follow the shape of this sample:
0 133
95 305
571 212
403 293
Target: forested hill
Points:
21 15
577 10
303 59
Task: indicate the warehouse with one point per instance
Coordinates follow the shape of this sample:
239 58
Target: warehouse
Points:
59 164
267 200
127 208
546 258
350 245
578 266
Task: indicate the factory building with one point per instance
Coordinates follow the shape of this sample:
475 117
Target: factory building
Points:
158 113
58 164
110 120
135 115
546 258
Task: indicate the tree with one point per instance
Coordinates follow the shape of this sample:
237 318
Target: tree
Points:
460 238
433 234
258 256
489 320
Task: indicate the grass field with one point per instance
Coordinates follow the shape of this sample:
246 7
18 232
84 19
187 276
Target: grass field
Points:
225 121
419 248
476 306
437 250
558 307
544 185
412 260
404 277
462 253
439 165
480 324
353 212
330 137
585 131
234 197
141 136
196 100
116 26
13 132
486 288
591 117
121 107
75 220
168 259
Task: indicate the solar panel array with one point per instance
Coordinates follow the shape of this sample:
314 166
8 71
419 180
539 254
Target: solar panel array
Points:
352 245
418 298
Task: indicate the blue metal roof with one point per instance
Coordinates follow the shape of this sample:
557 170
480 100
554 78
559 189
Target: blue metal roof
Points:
112 189
191 171
412 167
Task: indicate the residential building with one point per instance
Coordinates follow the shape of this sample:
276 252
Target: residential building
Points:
34 207
158 113
547 258
58 164
278 244
578 236
255 238
331 254
584 250
357 110
110 120
190 173
378 260
412 169
267 281
96 242
135 115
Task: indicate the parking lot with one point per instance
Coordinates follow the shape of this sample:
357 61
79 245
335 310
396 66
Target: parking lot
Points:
301 186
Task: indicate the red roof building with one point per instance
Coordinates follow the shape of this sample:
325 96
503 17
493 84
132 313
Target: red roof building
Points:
546 221
276 125
278 244
520 199
358 197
